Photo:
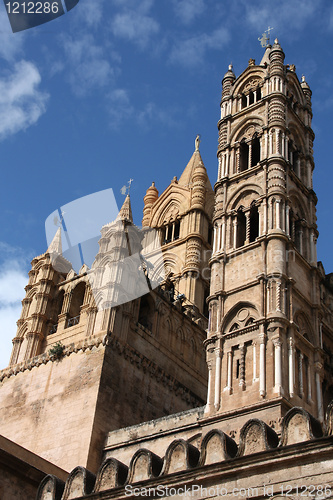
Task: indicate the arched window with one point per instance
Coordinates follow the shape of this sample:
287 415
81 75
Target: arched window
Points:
76 303
241 229
255 158
243 156
171 232
254 223
58 301
146 312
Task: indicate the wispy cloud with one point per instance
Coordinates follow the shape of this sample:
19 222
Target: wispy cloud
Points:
135 27
22 102
10 45
261 14
191 51
188 10
119 107
87 65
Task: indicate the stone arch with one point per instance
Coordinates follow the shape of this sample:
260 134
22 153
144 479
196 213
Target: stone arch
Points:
147 312
180 456
51 488
304 326
250 79
298 425
244 196
240 314
111 474
297 206
80 482
216 446
144 465
168 209
256 436
246 129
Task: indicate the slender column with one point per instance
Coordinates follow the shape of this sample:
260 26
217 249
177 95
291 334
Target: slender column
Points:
265 216
255 96
223 165
229 375
262 373
266 144
237 160
219 175
232 162
248 227
218 247
218 355
300 374
277 214
248 100
291 353
283 138
209 404
278 366
261 148
286 149
223 235
298 168
287 220
318 368
277 144
214 242
227 163
235 231
249 164
309 381
254 354
278 296
242 367
271 206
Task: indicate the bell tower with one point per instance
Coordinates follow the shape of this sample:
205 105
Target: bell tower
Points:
264 345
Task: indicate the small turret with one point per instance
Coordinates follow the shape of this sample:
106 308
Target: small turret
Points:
276 57
306 90
149 200
228 81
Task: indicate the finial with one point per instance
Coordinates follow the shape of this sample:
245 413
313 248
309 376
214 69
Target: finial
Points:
276 41
197 142
303 78
126 189
230 67
265 39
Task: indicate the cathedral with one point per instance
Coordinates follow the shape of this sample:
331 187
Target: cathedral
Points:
215 379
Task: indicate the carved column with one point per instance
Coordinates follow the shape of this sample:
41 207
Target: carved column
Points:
300 374
248 226
218 358
262 363
210 393
318 368
291 354
229 372
242 367
278 366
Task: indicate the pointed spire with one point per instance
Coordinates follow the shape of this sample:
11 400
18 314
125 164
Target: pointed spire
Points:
56 245
125 212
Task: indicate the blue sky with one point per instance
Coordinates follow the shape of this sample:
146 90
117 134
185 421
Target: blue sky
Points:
118 89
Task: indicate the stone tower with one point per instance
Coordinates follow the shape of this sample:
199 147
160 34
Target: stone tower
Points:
90 355
265 337
182 215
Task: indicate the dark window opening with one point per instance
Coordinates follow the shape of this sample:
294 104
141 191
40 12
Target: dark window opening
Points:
244 101
251 100
255 152
234 327
294 160
210 236
254 224
237 368
258 94
146 312
176 231
244 157
76 303
241 229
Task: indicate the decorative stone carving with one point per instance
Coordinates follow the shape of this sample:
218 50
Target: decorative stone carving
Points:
215 447
180 456
298 426
111 474
256 436
144 465
80 482
51 488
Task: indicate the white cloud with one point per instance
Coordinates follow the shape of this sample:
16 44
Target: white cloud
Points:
10 43
88 66
119 107
188 10
135 27
191 52
261 14
21 101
